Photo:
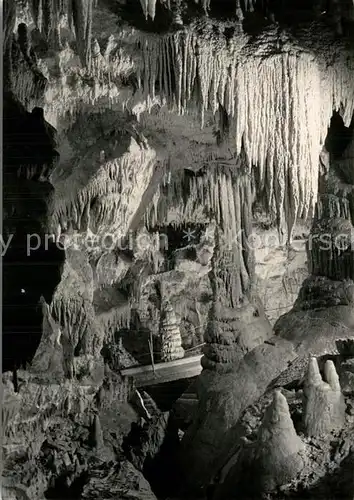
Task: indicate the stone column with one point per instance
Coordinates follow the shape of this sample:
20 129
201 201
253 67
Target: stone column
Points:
171 341
237 324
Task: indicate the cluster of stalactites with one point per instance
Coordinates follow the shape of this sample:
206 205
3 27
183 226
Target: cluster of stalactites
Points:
332 207
339 9
222 195
149 7
218 194
49 15
232 263
278 108
330 250
108 197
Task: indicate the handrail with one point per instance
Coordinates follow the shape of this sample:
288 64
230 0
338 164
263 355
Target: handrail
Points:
160 366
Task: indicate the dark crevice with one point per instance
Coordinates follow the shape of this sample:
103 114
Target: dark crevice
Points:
26 277
32 263
339 136
165 395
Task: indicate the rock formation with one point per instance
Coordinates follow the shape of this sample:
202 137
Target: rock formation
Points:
276 455
274 459
148 148
171 341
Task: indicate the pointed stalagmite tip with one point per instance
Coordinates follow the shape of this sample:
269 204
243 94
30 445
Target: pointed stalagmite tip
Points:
331 376
278 412
279 401
313 373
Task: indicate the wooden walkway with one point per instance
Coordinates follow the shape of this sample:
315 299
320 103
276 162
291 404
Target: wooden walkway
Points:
164 372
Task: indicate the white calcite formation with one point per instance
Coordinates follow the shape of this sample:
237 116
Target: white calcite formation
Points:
171 341
324 405
340 9
50 17
275 458
279 448
262 116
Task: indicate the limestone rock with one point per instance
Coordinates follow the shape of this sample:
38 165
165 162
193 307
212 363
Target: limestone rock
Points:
222 400
273 460
279 447
324 405
161 128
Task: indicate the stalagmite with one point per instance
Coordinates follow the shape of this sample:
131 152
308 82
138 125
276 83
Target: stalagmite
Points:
324 405
279 448
329 246
171 341
274 459
97 434
47 16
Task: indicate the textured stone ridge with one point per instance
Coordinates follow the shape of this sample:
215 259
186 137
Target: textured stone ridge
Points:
122 480
279 452
274 459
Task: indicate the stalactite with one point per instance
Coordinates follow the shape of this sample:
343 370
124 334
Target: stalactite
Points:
47 16
332 207
219 194
149 8
282 131
82 20
37 10
324 404
76 318
114 320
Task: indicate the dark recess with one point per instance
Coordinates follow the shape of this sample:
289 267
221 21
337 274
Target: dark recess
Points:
27 275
